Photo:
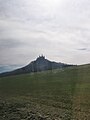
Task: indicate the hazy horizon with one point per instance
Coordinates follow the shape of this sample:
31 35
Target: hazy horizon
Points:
59 29
8 68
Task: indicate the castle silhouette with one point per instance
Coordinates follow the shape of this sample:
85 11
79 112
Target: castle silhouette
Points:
41 57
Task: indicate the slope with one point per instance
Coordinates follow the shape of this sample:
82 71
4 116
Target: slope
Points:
58 94
40 64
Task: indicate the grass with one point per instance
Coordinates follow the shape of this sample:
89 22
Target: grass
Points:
58 94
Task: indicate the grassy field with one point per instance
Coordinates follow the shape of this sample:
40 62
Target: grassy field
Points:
52 95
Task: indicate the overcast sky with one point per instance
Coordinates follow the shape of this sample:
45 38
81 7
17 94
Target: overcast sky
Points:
59 29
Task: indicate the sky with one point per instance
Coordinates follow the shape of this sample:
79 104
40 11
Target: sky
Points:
59 29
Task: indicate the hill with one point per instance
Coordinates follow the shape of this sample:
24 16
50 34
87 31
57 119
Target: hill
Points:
40 64
51 95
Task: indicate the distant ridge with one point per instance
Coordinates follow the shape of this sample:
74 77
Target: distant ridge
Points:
40 64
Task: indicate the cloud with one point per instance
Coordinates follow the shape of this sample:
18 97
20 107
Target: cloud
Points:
29 28
84 49
9 43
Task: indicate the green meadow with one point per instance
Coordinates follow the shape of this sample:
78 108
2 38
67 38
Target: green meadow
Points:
51 95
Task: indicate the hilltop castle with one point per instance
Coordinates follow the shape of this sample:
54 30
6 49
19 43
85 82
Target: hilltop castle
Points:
41 57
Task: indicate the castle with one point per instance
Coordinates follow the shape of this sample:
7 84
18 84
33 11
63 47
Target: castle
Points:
41 57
